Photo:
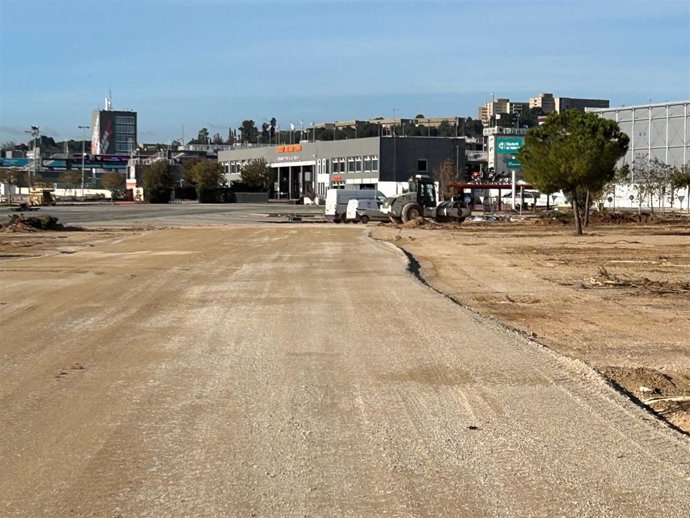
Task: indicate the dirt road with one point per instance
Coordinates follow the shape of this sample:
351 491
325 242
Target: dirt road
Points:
296 371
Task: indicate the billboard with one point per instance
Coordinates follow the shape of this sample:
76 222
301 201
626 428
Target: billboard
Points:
508 145
102 142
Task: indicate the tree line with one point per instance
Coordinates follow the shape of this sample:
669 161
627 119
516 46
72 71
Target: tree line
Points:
206 178
270 133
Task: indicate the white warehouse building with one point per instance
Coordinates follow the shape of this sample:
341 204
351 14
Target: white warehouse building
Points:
656 131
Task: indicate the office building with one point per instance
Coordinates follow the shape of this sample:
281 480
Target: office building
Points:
385 163
569 103
113 132
545 101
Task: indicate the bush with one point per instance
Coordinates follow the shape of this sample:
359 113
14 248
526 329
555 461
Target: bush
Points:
49 223
207 194
158 182
157 195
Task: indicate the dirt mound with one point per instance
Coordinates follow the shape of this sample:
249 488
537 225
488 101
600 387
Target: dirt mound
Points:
618 218
18 223
611 218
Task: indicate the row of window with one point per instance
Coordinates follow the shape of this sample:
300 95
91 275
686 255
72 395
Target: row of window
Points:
122 147
340 165
120 128
124 119
236 167
350 164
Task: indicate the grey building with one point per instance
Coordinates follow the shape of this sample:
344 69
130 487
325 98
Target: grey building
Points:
571 103
384 163
658 131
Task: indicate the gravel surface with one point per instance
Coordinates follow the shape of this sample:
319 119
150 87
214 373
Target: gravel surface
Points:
296 371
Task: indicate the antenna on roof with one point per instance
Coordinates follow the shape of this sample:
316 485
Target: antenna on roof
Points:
109 101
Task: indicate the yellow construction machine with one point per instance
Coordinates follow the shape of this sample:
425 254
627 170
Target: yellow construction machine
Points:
41 196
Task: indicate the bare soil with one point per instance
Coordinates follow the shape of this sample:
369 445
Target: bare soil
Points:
617 298
300 370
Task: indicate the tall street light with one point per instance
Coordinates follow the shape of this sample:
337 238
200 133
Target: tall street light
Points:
83 143
35 132
395 168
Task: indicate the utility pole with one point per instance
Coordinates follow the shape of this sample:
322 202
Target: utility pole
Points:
395 169
83 153
35 133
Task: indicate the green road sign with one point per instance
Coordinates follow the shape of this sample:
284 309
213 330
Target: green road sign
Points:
508 145
513 163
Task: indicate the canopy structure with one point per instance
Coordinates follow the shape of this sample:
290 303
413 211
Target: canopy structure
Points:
461 186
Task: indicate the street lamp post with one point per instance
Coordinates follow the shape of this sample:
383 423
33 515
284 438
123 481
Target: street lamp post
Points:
35 133
395 172
83 143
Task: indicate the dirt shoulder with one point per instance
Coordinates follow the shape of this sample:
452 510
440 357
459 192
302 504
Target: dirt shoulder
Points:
617 298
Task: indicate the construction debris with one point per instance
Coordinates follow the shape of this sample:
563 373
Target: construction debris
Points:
607 279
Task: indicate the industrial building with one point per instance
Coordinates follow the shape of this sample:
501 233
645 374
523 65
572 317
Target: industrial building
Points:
658 131
382 163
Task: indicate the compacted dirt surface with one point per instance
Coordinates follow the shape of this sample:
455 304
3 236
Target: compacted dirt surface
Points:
303 370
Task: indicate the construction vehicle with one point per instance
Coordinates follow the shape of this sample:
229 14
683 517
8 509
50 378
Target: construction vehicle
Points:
41 196
421 201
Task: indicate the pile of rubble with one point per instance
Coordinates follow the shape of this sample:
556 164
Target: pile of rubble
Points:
19 223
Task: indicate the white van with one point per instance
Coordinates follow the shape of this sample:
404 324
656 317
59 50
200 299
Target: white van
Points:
337 199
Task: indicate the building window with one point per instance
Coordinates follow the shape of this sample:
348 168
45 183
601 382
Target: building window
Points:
123 119
375 163
119 128
351 164
123 147
358 164
421 165
367 163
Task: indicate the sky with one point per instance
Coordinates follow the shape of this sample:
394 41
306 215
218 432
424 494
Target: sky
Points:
187 64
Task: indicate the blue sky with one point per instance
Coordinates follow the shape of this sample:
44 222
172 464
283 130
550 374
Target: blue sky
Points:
213 63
